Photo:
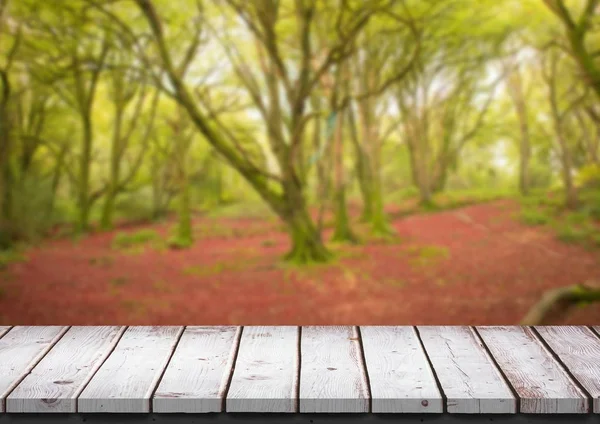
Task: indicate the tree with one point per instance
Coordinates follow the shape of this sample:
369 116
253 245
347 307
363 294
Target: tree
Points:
6 128
70 58
517 95
126 84
561 108
577 32
284 193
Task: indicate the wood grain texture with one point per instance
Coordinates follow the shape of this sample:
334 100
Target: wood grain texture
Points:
197 376
127 379
467 374
541 383
332 374
400 376
266 371
3 330
20 350
579 350
57 380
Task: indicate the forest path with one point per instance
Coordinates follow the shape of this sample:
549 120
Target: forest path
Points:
473 266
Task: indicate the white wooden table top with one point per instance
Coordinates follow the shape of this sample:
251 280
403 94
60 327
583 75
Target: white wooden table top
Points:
162 369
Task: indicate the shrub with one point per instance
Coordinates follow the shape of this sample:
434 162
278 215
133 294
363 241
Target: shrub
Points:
532 216
125 240
588 176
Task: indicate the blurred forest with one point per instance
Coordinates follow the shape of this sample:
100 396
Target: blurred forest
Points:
299 161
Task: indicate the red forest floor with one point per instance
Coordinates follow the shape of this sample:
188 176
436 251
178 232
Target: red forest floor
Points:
471 266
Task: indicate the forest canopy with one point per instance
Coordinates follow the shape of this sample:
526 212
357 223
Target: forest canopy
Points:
136 109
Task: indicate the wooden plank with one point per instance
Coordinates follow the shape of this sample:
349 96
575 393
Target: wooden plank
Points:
3 330
579 350
467 374
332 374
541 383
196 378
57 380
126 380
266 371
20 350
400 376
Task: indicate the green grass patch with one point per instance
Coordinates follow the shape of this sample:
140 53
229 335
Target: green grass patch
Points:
11 256
427 255
217 268
454 199
533 217
180 242
256 209
571 234
142 237
450 200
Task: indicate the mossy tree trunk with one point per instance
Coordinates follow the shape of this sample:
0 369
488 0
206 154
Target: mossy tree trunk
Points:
370 173
362 169
6 141
125 87
515 89
85 160
559 121
555 303
106 221
85 94
183 235
6 179
577 31
306 241
342 231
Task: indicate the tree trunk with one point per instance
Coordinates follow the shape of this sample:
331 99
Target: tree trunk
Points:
5 186
556 303
362 169
571 199
372 184
342 231
421 174
106 221
84 176
56 179
183 236
515 85
307 244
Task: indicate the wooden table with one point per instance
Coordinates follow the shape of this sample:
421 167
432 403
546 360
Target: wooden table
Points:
425 374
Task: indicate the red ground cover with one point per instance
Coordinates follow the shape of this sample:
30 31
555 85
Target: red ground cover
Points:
472 266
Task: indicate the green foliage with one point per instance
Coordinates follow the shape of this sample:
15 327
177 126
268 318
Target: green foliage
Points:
533 216
31 216
589 176
179 241
125 240
590 200
11 256
570 234
423 256
134 208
